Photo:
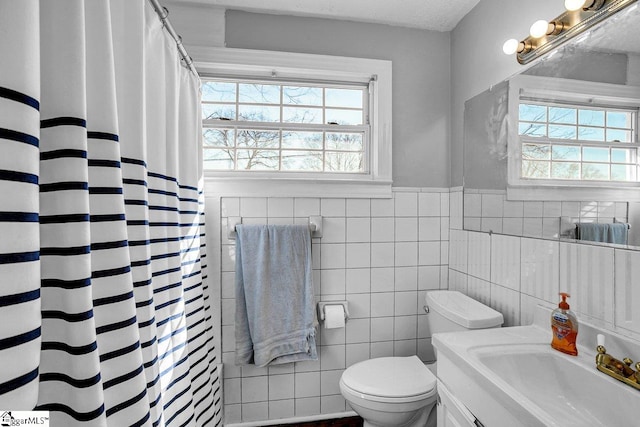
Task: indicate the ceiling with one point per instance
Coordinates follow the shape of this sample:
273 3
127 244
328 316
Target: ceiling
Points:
437 15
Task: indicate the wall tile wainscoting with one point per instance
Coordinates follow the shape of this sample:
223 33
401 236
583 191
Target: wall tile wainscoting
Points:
514 274
381 255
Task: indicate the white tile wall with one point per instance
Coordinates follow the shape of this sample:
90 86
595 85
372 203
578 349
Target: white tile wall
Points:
479 255
540 268
627 298
380 255
586 273
505 261
488 210
526 272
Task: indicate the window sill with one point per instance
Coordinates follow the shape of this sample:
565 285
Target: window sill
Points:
270 186
575 194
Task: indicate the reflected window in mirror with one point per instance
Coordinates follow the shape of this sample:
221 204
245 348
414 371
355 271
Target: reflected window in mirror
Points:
577 141
572 134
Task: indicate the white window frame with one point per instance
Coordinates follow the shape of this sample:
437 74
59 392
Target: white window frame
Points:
577 91
282 126
246 63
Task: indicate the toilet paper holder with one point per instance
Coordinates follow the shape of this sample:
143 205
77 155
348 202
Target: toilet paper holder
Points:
323 304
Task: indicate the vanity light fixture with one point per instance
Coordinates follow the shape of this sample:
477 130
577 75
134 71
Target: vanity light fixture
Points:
539 29
573 5
512 46
545 36
543 28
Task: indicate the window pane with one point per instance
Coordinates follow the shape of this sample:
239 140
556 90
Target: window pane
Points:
343 98
219 92
617 135
259 94
273 126
564 152
302 160
562 132
257 113
301 115
562 115
344 141
344 162
308 140
590 134
592 154
218 111
619 119
535 151
622 155
533 113
565 170
258 160
218 159
599 171
535 169
344 117
532 129
624 173
217 137
591 117
300 95
258 139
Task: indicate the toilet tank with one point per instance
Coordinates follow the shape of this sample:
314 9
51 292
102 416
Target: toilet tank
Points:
451 311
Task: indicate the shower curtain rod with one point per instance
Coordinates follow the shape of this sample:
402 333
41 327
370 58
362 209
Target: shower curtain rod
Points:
163 14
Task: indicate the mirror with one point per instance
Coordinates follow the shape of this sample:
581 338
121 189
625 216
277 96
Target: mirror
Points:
576 93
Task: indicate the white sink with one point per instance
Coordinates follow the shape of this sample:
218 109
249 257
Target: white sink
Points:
560 385
512 377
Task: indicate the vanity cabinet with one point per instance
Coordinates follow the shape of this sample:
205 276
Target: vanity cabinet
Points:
451 412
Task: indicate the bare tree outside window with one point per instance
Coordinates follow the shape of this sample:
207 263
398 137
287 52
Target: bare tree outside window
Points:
281 127
562 142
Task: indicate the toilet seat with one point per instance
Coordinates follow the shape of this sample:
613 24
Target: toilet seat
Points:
390 380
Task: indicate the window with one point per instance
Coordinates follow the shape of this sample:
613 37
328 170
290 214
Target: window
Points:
283 123
253 125
574 142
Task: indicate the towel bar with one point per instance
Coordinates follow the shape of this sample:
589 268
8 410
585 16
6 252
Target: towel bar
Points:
315 226
569 226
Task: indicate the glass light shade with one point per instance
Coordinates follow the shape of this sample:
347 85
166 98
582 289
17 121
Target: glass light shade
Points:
510 46
574 4
539 28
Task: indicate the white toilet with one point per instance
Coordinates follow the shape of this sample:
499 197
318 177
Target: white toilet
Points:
401 391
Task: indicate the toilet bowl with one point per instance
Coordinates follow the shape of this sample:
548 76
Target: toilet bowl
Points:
401 391
390 391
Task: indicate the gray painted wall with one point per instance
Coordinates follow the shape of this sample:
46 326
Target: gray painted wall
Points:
421 79
477 60
485 162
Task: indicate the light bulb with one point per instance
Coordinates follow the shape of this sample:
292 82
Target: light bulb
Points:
572 5
539 28
510 46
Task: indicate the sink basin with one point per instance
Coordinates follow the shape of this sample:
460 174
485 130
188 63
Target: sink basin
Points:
510 377
560 386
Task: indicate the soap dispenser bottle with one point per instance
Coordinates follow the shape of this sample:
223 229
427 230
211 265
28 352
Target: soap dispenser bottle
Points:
564 327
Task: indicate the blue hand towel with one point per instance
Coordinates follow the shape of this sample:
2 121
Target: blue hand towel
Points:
618 232
593 232
607 233
275 307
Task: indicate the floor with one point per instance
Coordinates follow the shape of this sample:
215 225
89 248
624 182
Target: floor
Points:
338 422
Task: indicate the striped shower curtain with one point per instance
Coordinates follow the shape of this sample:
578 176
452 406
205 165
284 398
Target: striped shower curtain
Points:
104 309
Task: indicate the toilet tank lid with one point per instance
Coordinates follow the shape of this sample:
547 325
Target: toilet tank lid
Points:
463 310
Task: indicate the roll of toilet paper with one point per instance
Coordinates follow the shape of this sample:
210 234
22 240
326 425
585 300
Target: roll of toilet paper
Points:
333 316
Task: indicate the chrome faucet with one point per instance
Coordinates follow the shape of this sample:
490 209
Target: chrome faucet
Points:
620 370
